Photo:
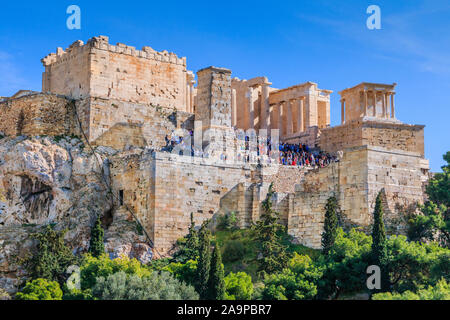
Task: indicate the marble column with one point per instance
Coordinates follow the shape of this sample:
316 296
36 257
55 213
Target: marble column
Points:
383 103
374 103
188 98
191 95
342 111
280 118
265 107
251 109
233 108
365 103
300 121
289 120
392 105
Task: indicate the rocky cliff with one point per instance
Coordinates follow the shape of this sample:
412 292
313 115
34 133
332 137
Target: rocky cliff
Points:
57 181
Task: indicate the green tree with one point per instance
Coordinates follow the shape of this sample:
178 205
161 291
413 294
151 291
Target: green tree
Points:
233 251
93 267
439 292
216 283
438 188
188 246
379 254
51 257
40 289
434 223
204 261
186 272
430 225
344 269
96 245
297 282
238 286
330 225
274 255
157 286
413 265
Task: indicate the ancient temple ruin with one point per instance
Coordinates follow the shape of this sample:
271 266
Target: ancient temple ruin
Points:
131 100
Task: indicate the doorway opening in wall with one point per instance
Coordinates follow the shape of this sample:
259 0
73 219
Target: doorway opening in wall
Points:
121 197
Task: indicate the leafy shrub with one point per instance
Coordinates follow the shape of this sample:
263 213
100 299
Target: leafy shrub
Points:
78 295
51 257
297 282
186 272
4 295
413 265
40 289
103 266
233 251
238 286
439 292
344 270
157 286
228 221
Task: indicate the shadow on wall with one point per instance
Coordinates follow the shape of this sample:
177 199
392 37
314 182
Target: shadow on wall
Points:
122 135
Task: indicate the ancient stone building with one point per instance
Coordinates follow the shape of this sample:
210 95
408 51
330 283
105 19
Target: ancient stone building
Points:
131 100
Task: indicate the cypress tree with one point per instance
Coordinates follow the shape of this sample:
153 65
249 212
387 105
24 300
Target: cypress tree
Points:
330 225
216 284
379 252
96 245
274 256
192 241
204 261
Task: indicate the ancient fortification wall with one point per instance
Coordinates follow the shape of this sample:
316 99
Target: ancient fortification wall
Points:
99 69
117 123
355 181
390 135
36 114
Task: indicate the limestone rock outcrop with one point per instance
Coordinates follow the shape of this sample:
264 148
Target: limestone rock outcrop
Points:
57 181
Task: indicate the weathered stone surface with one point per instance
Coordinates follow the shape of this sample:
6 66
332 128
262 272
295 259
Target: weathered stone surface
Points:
43 181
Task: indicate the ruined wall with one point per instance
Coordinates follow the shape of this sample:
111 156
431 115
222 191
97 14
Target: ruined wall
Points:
284 178
402 175
182 187
36 114
341 137
394 136
121 72
132 181
309 137
386 134
356 180
163 189
214 97
118 123
67 72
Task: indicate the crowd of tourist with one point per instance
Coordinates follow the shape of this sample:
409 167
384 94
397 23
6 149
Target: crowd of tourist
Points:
260 152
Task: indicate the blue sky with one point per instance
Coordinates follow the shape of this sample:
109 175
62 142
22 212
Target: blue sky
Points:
290 42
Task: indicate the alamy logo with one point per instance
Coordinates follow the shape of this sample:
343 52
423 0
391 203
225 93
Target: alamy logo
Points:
74 20
374 20
73 282
374 281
